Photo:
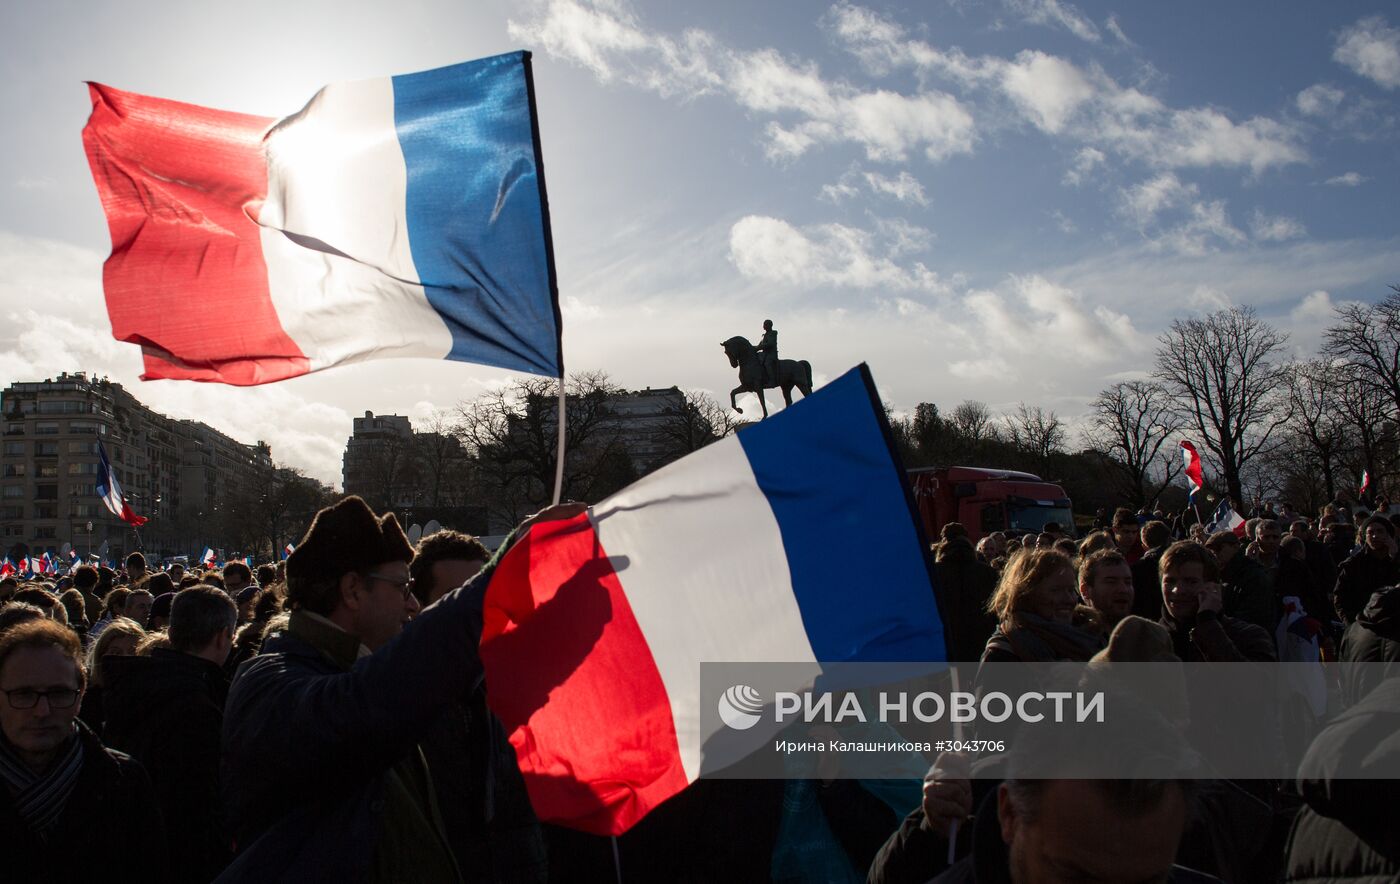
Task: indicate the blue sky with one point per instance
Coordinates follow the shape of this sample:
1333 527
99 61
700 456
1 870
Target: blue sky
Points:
1003 200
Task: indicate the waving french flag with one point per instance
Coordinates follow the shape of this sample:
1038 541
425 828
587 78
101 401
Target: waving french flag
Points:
111 491
595 627
400 216
1226 519
1194 475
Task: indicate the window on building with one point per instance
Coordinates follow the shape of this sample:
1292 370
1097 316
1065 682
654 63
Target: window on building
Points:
14 448
82 469
82 447
49 533
45 449
90 429
42 429
85 510
45 511
47 471
14 429
14 469
46 492
12 491
82 490
14 531
14 511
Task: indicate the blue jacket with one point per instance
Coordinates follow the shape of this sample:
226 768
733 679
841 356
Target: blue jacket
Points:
308 744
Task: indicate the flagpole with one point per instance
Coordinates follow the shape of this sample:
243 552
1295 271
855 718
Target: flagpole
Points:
559 453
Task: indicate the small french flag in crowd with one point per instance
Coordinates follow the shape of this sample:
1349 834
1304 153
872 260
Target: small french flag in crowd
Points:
209 557
1365 483
111 492
1194 475
400 216
288 549
725 555
1226 519
7 567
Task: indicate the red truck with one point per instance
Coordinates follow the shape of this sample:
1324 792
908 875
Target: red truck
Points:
986 500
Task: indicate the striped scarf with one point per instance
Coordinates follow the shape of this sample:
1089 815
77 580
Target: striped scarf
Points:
39 798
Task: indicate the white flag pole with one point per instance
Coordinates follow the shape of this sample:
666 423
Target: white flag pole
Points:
559 455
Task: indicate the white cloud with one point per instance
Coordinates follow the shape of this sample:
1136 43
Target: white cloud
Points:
1112 27
1319 100
1078 103
904 187
1207 226
1207 299
1085 161
1053 13
1347 179
838 192
1371 48
1035 315
772 250
1275 228
1145 200
1063 223
1047 89
985 368
577 310
608 39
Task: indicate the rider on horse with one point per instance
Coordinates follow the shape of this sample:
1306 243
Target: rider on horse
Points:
769 348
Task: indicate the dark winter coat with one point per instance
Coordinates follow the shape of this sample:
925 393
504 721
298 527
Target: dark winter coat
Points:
315 748
1147 584
990 859
486 813
1248 593
1373 641
111 828
1214 638
1359 577
964 586
1350 830
167 712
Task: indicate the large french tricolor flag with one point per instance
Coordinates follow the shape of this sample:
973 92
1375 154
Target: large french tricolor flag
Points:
401 216
793 540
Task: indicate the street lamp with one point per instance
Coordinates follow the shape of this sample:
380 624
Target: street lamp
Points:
89 533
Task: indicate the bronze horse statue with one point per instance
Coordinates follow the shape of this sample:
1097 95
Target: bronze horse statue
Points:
791 373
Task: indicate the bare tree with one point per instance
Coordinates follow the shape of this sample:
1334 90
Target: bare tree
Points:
441 459
974 421
1369 429
1219 369
1314 389
513 434
1368 338
1132 424
698 421
1034 430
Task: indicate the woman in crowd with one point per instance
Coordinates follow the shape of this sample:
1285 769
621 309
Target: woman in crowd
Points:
119 639
1034 603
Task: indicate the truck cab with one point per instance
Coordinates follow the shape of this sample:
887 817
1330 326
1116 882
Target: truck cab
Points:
985 500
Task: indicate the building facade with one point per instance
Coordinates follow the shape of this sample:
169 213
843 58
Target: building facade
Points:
177 473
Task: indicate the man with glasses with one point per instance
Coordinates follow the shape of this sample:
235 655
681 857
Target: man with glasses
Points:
324 777
70 809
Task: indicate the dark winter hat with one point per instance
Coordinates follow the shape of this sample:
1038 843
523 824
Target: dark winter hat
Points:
161 606
345 537
246 593
1385 523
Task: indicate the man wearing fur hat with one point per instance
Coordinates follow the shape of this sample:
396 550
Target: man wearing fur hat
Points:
326 780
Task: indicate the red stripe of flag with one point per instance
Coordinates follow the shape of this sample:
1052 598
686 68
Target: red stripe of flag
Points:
182 187
557 590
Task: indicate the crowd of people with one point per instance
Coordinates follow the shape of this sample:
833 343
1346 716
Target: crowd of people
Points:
325 719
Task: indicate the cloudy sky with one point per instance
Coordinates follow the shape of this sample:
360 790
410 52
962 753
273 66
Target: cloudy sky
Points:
1002 200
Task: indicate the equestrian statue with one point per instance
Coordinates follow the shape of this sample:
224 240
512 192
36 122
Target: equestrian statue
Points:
760 368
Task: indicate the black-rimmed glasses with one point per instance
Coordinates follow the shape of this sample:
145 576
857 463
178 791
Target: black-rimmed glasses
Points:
28 698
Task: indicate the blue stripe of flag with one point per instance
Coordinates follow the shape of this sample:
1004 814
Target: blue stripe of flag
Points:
477 226
858 568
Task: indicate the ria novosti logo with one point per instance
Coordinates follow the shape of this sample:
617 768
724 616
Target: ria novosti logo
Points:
740 707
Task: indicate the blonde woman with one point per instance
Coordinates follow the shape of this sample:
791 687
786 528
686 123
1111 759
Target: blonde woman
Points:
1034 604
119 639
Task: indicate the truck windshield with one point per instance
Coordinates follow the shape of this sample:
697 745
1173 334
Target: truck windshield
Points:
1034 518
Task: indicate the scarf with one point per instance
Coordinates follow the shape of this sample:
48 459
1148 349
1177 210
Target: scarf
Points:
1036 639
40 798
